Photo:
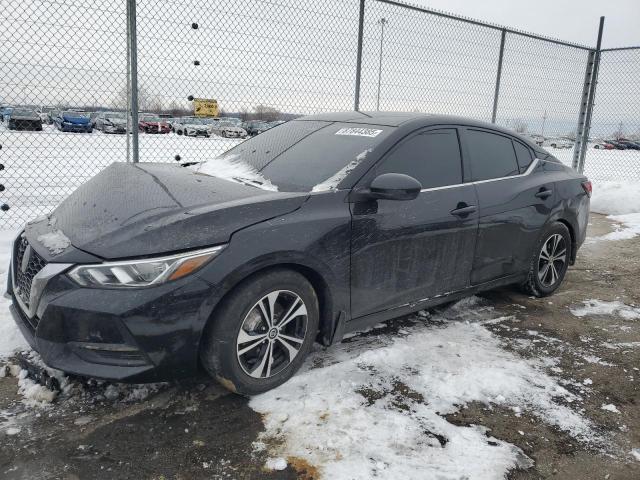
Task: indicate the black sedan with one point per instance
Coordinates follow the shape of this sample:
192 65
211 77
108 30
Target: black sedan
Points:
322 226
24 119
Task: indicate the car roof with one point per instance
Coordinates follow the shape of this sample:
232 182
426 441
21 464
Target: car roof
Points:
411 120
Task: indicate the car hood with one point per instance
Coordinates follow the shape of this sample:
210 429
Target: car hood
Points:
121 122
132 210
197 126
74 119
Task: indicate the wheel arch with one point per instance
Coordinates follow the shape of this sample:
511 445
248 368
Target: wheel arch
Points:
328 312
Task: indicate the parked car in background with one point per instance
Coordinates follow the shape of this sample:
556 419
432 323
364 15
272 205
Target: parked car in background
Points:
630 144
24 119
255 127
111 122
239 270
73 121
4 113
228 130
617 144
151 123
558 143
603 146
192 127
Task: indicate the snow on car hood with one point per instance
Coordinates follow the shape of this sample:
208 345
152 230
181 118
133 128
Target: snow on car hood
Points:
132 210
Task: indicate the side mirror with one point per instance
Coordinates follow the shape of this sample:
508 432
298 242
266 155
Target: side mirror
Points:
390 186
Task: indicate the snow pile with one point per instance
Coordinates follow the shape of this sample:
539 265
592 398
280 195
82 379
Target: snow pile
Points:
615 198
332 182
11 340
621 201
229 167
599 307
56 242
628 228
276 464
34 393
376 406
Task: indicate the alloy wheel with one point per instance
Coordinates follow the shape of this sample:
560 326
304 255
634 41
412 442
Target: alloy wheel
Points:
272 334
552 260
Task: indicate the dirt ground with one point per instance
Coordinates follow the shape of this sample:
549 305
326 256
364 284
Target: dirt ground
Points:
198 430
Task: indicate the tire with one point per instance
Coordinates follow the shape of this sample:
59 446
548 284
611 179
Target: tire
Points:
240 363
542 279
179 132
597 147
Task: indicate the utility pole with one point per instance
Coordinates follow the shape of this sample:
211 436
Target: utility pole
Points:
544 121
382 22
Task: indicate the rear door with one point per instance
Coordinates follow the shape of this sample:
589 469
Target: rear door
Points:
406 251
515 200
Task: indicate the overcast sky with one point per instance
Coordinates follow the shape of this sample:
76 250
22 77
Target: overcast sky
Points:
571 20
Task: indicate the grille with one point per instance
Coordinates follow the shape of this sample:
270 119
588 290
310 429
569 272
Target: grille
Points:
35 263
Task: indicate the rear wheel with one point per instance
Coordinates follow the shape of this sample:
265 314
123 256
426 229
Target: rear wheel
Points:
262 332
550 261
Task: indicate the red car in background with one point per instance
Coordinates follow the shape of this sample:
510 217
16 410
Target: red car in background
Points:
153 124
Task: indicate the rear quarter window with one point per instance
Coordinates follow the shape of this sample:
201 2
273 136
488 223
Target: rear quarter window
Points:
523 154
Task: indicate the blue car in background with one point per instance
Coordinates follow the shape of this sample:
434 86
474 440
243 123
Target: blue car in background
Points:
71 121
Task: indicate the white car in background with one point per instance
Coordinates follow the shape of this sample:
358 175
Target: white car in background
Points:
558 143
228 129
191 127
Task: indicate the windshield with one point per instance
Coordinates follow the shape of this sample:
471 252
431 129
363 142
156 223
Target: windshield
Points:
73 113
151 118
115 116
22 111
300 156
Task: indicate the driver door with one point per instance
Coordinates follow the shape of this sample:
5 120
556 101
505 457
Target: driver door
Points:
406 251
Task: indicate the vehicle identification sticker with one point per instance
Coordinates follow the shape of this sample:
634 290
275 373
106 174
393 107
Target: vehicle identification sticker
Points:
359 132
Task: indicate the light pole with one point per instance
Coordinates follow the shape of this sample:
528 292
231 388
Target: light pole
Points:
544 120
382 22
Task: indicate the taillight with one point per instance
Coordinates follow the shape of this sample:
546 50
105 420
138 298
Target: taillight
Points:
586 186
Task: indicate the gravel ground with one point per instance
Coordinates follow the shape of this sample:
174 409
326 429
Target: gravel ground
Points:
198 430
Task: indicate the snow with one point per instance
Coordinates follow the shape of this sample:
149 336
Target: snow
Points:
33 392
616 198
610 408
332 182
229 168
276 464
636 453
395 393
56 242
599 307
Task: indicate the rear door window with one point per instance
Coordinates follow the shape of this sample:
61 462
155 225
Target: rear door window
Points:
492 155
432 157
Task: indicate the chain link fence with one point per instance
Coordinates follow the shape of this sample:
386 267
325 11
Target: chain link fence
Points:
613 152
66 84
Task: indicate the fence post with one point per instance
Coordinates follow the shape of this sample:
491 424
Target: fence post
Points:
356 103
133 57
584 103
496 94
581 151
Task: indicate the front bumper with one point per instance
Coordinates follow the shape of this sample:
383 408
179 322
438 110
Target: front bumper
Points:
131 335
192 132
75 128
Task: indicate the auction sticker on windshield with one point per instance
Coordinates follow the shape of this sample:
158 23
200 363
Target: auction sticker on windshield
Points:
359 132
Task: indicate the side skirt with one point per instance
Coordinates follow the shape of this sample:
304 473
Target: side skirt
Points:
366 321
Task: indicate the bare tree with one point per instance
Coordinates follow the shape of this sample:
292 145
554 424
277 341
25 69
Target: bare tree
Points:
619 133
519 126
266 113
120 101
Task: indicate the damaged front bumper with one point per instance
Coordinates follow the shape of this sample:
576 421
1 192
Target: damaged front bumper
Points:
132 335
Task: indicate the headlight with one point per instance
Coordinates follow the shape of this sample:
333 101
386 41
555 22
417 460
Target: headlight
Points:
143 273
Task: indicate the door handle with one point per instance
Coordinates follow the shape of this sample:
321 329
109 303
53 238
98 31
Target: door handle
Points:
463 211
545 193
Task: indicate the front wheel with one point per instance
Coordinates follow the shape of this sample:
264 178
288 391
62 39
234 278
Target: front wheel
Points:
550 261
262 332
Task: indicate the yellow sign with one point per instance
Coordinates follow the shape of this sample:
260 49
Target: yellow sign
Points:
203 107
